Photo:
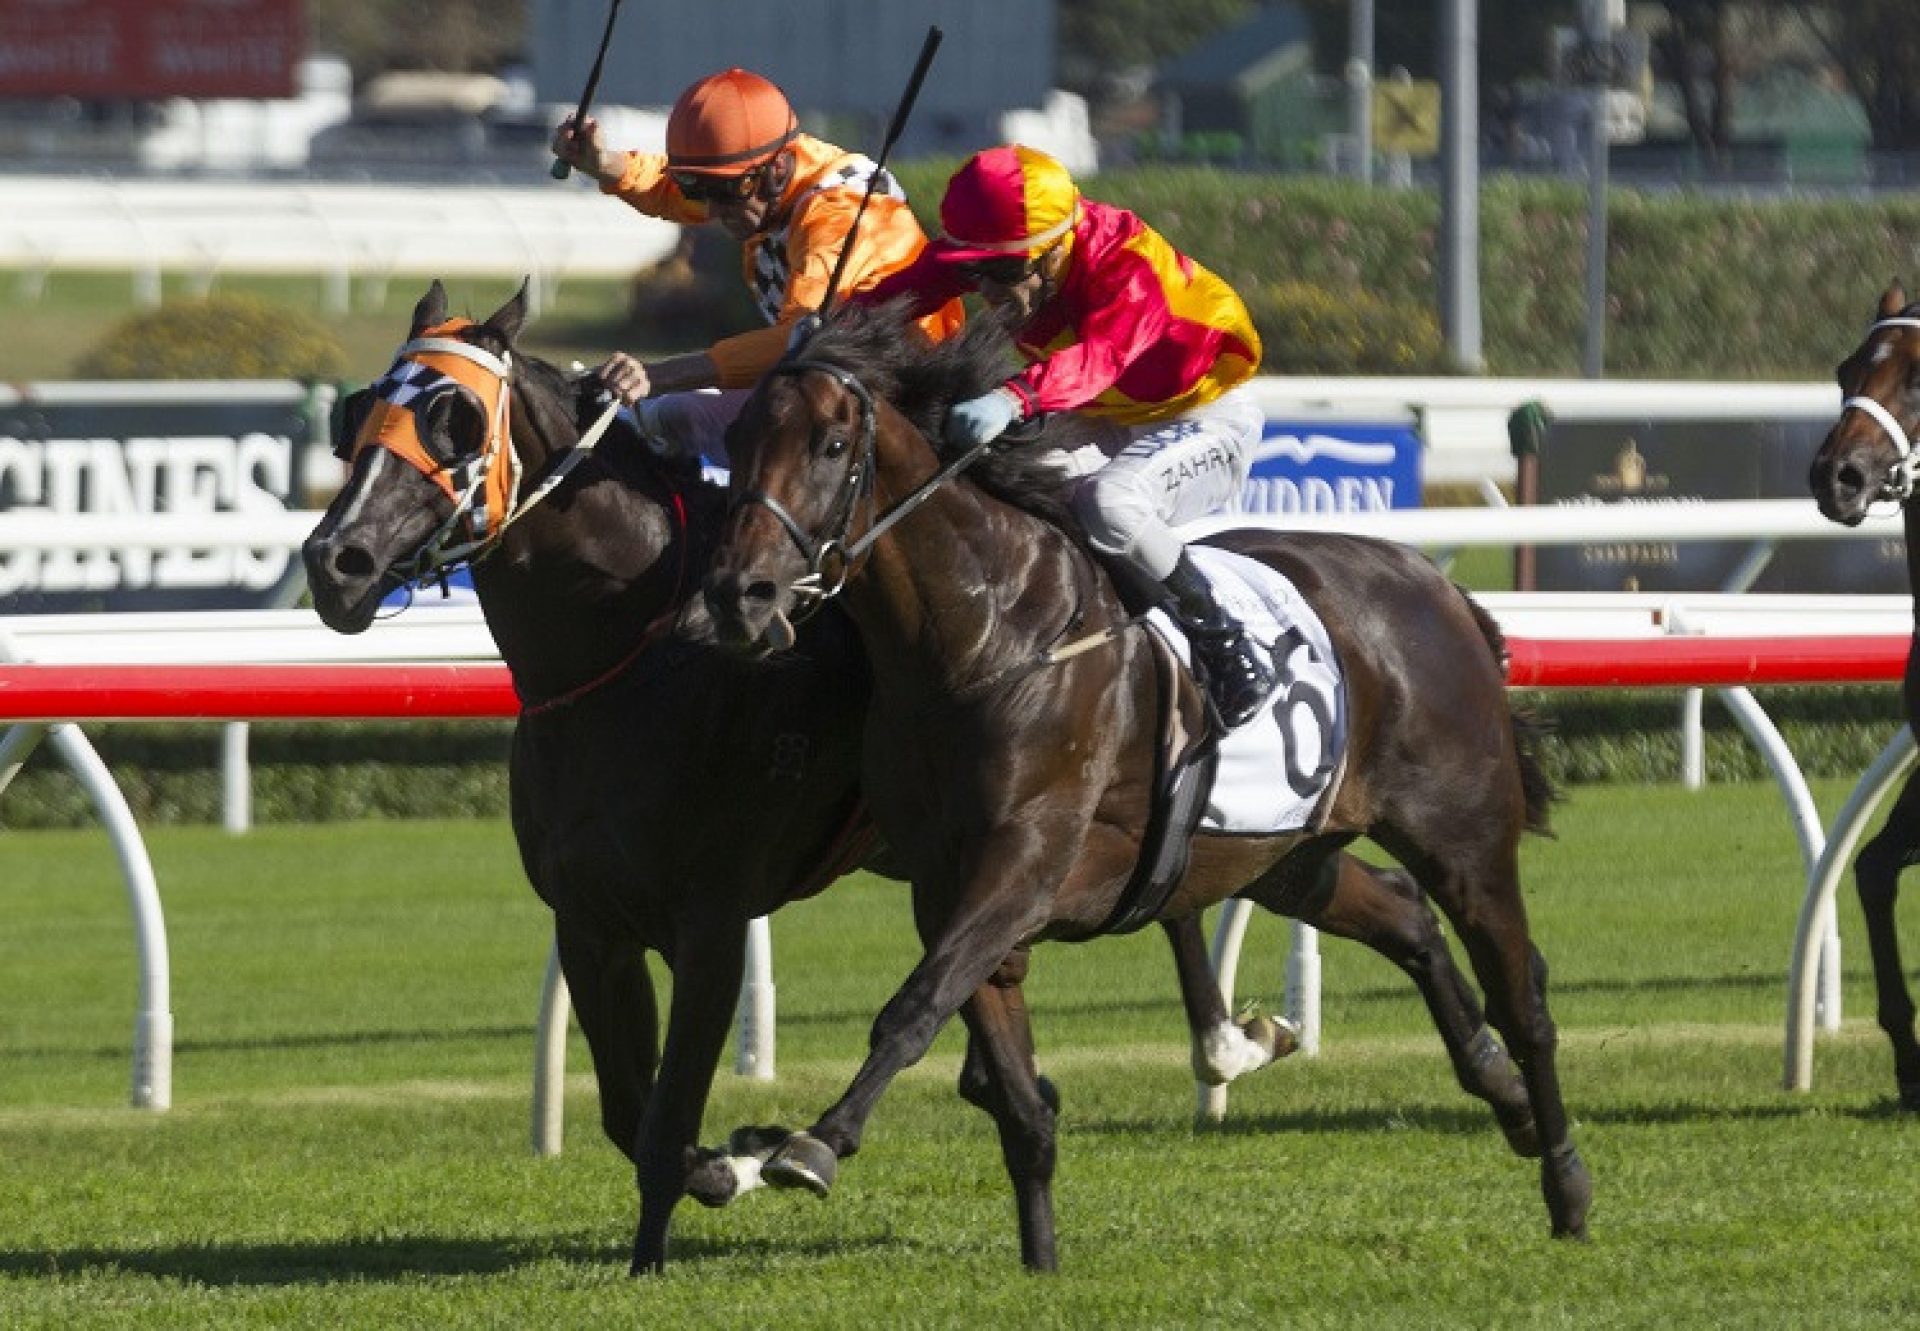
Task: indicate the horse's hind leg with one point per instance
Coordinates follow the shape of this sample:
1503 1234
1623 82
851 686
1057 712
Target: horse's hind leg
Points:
1478 886
612 996
1000 1045
1386 910
1876 875
1222 1049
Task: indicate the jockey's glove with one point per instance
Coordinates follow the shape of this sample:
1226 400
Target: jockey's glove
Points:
981 420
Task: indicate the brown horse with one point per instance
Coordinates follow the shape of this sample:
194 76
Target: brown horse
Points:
1867 457
1011 772
663 795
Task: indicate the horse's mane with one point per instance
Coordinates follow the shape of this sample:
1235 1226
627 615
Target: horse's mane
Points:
881 347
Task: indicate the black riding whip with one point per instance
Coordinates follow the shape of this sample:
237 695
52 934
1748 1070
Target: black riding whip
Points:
560 170
900 114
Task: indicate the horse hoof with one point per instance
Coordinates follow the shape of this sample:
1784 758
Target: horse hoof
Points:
711 1178
1569 1191
1277 1035
802 1161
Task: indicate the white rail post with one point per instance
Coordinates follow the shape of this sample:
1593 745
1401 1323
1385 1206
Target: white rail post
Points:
753 1051
550 1060
1888 770
236 779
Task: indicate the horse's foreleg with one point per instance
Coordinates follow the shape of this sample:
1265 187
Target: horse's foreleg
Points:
612 996
963 951
1001 1040
1221 1048
1877 878
708 964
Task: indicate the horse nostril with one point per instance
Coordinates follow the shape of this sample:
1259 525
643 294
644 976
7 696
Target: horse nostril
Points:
351 561
761 590
1850 478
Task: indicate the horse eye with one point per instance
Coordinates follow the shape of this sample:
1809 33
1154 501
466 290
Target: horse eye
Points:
836 445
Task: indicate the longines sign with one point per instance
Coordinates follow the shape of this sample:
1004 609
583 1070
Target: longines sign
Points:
204 450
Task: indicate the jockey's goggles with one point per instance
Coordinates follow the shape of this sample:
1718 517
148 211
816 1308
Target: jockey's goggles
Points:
700 187
1003 270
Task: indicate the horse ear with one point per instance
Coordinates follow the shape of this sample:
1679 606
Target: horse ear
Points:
510 318
1893 299
432 308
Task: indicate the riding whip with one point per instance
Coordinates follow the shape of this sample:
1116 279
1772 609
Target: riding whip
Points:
900 114
560 170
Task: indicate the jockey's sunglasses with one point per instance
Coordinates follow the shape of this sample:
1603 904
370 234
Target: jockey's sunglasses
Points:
1005 271
698 187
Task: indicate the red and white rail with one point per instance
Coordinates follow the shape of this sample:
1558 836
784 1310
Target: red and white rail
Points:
440 662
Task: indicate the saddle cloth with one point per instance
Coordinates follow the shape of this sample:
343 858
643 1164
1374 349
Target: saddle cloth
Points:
1274 771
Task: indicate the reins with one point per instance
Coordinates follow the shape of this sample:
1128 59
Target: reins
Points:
1901 480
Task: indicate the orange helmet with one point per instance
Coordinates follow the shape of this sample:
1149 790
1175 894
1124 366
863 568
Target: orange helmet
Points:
728 123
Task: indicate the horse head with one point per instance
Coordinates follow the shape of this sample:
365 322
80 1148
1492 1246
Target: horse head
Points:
1869 454
834 447
438 448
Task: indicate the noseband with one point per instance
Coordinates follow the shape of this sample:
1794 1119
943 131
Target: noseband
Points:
817 586
1901 479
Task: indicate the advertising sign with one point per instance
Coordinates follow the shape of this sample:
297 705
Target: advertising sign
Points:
1647 460
1331 465
136 49
151 450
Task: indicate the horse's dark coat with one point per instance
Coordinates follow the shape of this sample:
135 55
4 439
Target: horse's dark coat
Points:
663 809
1017 809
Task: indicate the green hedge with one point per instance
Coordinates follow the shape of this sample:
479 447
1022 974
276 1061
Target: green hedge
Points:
1699 287
223 336
321 773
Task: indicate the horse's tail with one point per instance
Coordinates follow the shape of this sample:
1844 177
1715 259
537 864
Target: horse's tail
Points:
1536 786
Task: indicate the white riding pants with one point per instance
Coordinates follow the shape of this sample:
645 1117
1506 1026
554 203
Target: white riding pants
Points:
1171 472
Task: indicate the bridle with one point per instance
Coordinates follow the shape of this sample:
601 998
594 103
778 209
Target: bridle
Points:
1899 485
484 487
831 556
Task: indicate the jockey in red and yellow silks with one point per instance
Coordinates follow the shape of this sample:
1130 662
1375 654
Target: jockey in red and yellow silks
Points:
736 157
1134 330
1112 321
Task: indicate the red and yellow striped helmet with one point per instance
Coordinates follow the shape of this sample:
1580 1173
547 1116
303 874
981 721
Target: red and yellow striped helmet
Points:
1006 201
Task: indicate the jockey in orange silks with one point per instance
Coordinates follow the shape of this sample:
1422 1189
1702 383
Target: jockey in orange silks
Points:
736 157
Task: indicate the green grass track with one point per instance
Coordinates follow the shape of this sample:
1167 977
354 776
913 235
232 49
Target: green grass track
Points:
349 1139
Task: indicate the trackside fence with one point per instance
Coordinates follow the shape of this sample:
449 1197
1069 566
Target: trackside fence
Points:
253 665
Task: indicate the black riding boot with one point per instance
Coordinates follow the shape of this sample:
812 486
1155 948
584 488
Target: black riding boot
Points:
1237 679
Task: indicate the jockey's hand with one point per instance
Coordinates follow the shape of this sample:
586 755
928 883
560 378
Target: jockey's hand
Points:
981 420
582 147
625 377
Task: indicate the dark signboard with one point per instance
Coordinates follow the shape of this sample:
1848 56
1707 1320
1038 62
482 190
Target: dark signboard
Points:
164 451
1334 466
1649 460
113 49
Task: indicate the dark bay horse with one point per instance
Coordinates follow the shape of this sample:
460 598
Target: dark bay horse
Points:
1012 773
1869 456
663 795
